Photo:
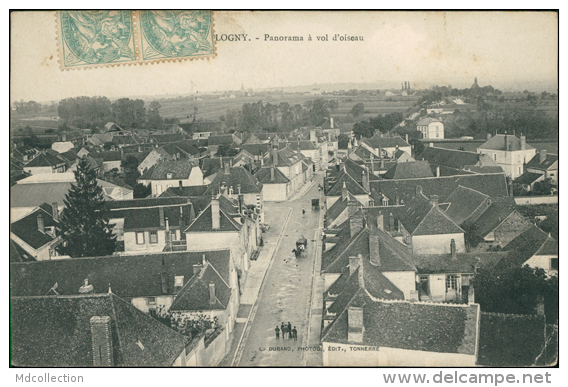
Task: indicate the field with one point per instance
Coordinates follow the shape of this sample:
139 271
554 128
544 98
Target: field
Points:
471 146
212 108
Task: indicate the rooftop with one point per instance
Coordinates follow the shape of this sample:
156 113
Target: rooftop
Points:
498 141
179 169
27 229
409 170
56 332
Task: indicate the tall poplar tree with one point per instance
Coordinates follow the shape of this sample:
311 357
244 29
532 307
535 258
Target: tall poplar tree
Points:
85 227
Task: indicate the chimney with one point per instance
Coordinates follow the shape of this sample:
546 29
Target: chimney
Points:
372 164
507 143
102 341
418 190
434 200
227 169
215 214
40 224
64 137
55 211
542 155
355 324
397 198
355 218
239 189
391 222
162 220
212 296
220 162
180 184
453 249
523 142
365 181
241 201
510 187
431 145
407 138
382 161
272 173
331 122
374 252
438 171
470 295
86 288
381 222
181 221
274 157
313 135
354 263
344 192
197 268
488 136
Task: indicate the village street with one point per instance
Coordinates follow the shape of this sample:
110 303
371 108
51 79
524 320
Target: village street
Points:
285 294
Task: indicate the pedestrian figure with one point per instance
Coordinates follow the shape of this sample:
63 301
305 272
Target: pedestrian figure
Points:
283 329
303 212
277 330
289 328
295 334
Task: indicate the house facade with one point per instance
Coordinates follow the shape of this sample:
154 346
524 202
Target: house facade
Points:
166 174
509 152
431 128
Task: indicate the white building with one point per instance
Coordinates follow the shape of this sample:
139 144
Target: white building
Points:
509 152
431 128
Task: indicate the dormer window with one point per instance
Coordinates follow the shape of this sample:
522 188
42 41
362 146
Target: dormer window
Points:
170 175
385 201
178 281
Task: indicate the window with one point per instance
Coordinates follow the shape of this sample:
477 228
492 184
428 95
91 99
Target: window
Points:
451 282
151 300
385 201
495 157
139 238
153 237
424 286
437 135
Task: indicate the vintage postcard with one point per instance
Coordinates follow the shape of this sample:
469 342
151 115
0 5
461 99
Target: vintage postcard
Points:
284 188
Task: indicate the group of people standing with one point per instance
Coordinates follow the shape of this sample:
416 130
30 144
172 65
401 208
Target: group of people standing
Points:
287 332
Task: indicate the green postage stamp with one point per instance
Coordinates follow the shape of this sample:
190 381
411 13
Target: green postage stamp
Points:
111 38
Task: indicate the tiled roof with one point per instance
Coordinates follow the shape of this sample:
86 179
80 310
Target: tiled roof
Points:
493 185
129 139
385 142
192 191
394 256
528 178
524 246
510 340
212 165
238 176
463 203
497 142
412 326
56 332
263 175
166 138
147 217
183 147
286 157
409 170
350 183
420 217
17 254
465 263
497 212
204 222
107 156
548 162
31 195
180 169
219 140
45 160
27 230
450 158
128 275
256 149
195 294
427 121
338 207
299 145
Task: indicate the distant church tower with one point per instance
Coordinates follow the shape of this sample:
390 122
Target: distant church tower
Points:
243 88
475 85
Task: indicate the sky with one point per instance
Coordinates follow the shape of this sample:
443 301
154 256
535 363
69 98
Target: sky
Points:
425 48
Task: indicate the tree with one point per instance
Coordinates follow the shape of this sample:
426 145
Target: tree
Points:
363 129
543 187
155 120
358 110
516 290
225 150
85 227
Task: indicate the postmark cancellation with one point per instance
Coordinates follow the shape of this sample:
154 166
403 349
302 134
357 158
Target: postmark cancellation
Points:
89 39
